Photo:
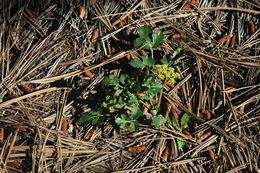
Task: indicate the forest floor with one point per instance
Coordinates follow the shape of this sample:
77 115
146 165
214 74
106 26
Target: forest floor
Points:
129 86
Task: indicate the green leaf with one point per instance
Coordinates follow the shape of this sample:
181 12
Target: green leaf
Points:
136 112
148 44
164 59
157 86
110 80
158 121
176 125
148 61
153 87
93 117
144 31
122 121
133 100
123 78
134 125
149 94
148 82
136 63
157 39
177 52
184 120
139 42
180 143
118 93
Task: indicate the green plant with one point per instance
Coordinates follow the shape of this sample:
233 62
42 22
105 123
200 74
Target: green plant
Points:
148 39
126 96
122 101
158 121
180 126
162 71
93 117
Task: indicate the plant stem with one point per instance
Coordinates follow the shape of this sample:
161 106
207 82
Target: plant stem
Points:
152 53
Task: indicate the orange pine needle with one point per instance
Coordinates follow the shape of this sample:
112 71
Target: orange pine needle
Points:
95 35
26 88
137 149
145 110
196 2
114 20
21 128
207 114
252 26
212 155
178 36
187 6
233 40
187 134
143 53
204 136
225 39
242 109
64 125
175 114
122 23
88 135
130 55
14 164
113 50
230 88
82 12
166 153
1 135
88 73
154 101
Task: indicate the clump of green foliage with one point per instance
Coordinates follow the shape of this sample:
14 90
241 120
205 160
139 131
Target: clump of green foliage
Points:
123 100
126 96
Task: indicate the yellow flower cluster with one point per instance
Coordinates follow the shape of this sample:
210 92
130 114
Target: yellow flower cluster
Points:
164 72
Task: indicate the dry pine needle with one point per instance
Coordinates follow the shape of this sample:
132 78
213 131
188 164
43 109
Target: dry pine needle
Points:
95 35
82 12
64 125
212 155
166 153
88 135
252 26
204 136
137 149
26 88
2 135
88 73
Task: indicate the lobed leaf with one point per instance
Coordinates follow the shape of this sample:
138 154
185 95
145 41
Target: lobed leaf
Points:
184 120
110 80
180 143
148 61
93 117
122 121
158 121
144 31
136 63
157 39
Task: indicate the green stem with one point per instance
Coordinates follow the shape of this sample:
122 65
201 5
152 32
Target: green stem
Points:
152 53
